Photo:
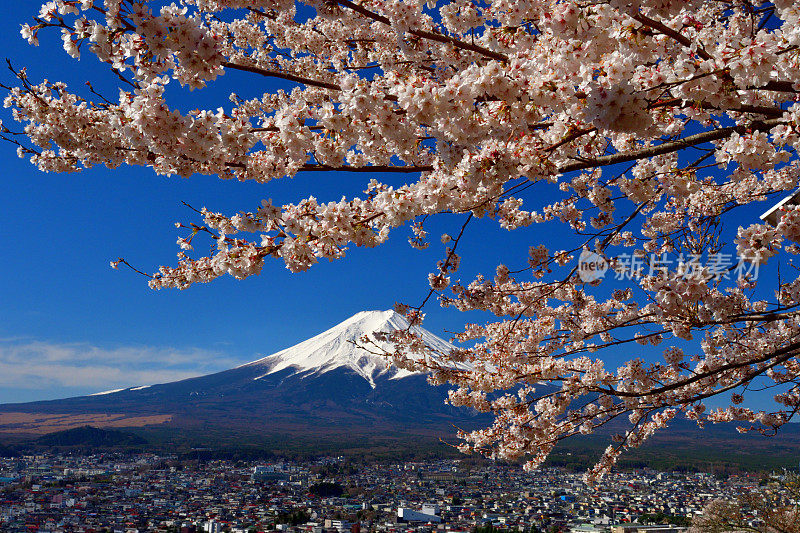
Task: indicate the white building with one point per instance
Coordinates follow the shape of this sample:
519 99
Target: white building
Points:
212 526
428 514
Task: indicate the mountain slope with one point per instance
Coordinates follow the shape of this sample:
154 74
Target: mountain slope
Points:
327 391
92 437
324 381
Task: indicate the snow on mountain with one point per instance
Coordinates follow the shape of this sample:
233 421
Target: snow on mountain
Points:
326 384
103 393
336 348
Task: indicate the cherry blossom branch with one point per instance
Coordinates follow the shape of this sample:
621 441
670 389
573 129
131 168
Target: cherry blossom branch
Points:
370 168
781 355
740 108
676 35
282 75
522 125
471 47
671 146
447 264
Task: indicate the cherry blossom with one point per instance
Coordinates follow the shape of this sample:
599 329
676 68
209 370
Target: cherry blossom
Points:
646 128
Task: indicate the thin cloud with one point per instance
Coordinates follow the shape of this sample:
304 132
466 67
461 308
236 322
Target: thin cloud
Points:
32 364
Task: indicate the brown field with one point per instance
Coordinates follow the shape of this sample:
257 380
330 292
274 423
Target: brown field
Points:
41 423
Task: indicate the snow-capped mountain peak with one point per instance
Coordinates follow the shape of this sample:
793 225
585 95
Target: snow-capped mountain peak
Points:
337 348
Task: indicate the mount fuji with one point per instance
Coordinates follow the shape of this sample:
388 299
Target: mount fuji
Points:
338 348
326 382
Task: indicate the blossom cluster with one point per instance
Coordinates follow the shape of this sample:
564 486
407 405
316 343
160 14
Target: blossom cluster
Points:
607 118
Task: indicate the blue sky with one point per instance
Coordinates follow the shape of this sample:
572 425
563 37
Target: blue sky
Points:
71 325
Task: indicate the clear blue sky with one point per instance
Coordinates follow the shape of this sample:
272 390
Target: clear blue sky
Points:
71 325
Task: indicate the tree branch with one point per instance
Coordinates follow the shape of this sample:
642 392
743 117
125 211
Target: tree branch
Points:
671 146
782 354
669 32
368 168
427 34
283 75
